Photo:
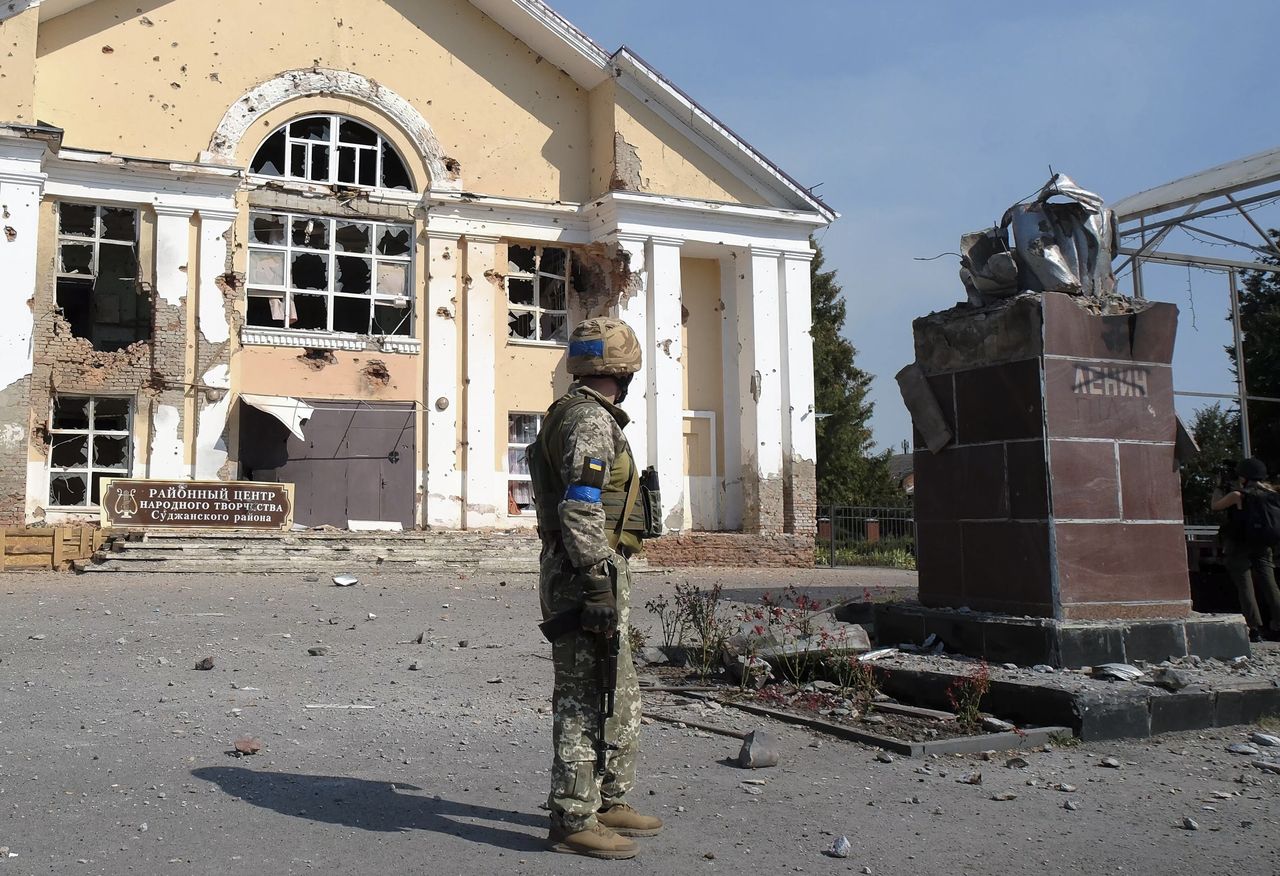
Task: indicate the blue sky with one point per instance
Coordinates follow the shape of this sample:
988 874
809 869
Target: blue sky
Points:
925 120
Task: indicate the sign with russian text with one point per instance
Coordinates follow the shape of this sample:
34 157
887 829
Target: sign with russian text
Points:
145 504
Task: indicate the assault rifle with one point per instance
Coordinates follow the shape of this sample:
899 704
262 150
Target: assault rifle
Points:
608 646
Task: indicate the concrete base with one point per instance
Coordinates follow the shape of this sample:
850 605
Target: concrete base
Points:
1028 641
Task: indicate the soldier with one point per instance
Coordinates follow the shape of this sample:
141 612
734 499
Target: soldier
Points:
586 485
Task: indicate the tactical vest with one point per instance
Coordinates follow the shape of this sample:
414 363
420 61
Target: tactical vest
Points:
623 512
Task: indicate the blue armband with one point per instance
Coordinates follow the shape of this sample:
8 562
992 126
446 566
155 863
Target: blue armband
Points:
582 493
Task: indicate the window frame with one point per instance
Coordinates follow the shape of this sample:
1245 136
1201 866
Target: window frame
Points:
516 477
334 144
89 469
142 329
536 276
332 252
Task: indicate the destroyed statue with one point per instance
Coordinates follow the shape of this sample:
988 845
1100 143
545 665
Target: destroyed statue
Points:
1063 241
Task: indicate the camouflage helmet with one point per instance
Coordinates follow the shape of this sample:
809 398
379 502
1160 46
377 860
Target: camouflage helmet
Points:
603 346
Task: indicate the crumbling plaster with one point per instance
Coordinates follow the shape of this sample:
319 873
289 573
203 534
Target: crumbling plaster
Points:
516 123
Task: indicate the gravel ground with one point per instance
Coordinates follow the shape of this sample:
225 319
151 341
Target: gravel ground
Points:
114 750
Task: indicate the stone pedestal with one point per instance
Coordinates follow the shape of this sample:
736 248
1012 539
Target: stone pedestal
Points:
1058 497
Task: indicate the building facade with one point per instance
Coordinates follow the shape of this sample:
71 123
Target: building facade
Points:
343 249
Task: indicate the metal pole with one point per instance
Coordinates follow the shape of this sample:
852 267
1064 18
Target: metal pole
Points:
1138 291
1241 382
832 526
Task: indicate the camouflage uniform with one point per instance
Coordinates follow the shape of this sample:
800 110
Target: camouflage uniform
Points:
588 433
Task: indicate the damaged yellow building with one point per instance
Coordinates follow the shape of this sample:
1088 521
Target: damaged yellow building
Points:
341 245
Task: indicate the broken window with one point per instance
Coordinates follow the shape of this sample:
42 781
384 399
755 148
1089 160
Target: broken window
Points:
335 275
98 288
522 429
332 150
89 441
537 293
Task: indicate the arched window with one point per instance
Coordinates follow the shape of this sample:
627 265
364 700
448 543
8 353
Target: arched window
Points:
332 150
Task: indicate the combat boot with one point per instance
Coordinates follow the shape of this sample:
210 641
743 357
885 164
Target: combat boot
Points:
596 841
625 821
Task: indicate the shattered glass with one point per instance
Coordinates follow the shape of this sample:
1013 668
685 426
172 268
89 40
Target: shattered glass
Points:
96 496
77 219
310 271
553 327
353 276
393 279
311 233
351 237
347 164
76 258
266 228
259 311
351 315
69 451
520 291
266 268
66 490
521 326
394 174
70 413
270 157
354 132
521 259
394 240
368 175
111 414
111 452
392 318
313 128
312 312
119 223
319 164
552 294
553 261
298 160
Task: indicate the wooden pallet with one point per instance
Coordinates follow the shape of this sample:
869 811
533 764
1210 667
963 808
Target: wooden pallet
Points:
47 548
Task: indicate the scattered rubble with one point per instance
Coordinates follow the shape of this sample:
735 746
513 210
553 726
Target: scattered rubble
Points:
345 580
759 750
204 664
247 745
840 848
1264 739
318 650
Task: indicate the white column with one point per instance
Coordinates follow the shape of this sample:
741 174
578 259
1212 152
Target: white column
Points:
21 188
634 309
215 328
173 251
173 254
443 502
481 480
666 377
760 390
800 441
731 267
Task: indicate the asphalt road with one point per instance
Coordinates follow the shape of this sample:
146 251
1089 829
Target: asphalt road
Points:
115 752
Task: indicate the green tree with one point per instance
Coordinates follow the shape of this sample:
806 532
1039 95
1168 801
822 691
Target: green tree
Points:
1217 431
1260 321
848 472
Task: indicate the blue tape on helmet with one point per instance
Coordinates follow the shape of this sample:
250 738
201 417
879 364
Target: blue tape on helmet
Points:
586 348
580 493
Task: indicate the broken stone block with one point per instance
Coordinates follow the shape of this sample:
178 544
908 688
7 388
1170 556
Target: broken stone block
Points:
759 750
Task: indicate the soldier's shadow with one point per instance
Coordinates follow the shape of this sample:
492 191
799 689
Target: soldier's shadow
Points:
383 807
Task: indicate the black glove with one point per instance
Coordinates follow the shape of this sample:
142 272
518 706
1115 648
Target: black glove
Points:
599 605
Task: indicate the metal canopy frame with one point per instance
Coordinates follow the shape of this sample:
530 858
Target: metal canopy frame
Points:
1146 221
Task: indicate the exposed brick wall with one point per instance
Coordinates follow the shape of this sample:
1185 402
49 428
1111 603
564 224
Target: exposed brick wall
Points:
151 372
15 422
800 498
731 550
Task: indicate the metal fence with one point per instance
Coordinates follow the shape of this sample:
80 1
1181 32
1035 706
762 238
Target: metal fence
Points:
856 536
